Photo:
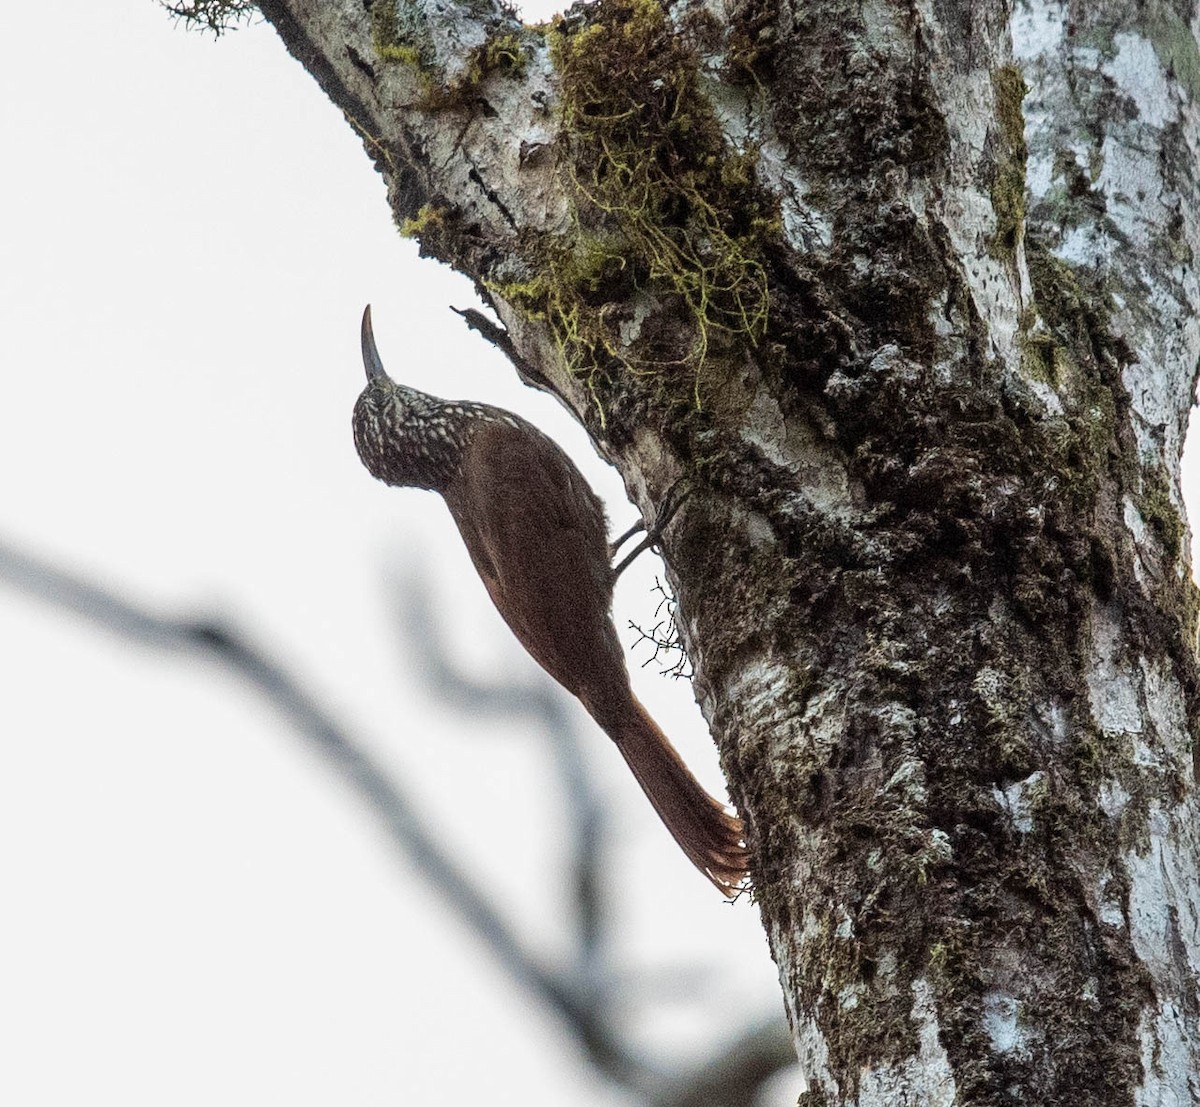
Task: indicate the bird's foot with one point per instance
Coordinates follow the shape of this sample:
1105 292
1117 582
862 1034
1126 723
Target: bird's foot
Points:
671 503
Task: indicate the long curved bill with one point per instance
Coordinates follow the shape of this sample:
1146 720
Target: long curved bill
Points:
371 360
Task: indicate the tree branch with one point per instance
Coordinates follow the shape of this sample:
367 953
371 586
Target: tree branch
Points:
202 635
736 1075
579 995
502 340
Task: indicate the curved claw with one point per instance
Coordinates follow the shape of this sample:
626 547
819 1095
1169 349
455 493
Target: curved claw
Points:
371 360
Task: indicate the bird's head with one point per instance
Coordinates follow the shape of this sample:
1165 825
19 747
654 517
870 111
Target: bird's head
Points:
381 410
402 435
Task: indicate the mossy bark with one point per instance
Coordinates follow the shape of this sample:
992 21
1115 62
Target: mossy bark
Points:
906 294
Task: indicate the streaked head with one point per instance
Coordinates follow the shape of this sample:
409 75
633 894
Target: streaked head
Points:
401 434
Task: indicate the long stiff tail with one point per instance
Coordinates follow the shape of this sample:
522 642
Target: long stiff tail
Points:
705 831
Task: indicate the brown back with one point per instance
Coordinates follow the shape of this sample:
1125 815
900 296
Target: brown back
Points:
538 537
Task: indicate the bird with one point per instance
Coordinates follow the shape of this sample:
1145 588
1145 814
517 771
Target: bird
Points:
537 534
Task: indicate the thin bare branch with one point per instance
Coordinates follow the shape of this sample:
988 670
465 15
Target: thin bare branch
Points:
578 996
500 338
736 1075
208 636
217 16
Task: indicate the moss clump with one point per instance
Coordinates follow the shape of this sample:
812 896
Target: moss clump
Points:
1077 317
1075 334
1041 356
439 229
503 53
570 289
753 41
393 40
1159 510
650 155
430 217
678 219
1174 44
402 53
436 228
1008 181
397 40
1010 94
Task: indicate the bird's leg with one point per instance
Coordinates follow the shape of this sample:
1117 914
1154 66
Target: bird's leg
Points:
672 501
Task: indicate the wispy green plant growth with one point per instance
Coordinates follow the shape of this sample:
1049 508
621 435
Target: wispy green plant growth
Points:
683 220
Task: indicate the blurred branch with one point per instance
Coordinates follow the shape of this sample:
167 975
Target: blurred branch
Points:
204 635
541 702
735 1076
730 1080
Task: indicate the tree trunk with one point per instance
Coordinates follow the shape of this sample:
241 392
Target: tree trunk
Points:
905 292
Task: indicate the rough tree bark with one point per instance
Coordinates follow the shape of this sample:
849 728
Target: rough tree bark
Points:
906 291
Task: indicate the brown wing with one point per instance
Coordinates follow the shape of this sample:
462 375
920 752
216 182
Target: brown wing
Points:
537 536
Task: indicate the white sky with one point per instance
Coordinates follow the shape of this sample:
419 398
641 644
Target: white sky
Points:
194 911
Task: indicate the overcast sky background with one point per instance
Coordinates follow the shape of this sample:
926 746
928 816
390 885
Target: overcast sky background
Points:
196 911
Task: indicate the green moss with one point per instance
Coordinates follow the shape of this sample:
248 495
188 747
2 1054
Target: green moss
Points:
1010 94
1066 340
397 39
568 290
430 224
1160 512
1008 179
1041 355
680 222
1074 322
1041 359
1076 311
438 228
427 217
503 53
399 36
402 53
1174 44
